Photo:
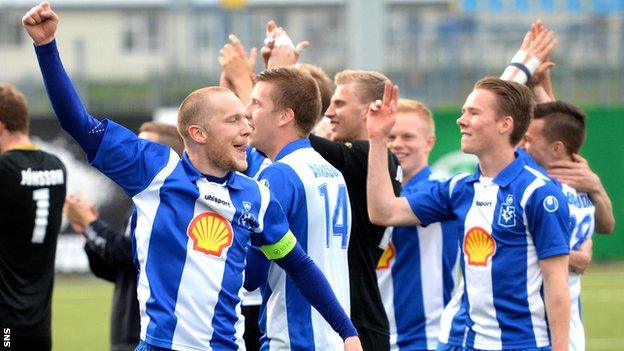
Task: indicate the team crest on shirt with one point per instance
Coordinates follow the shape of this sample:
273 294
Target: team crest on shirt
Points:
210 232
247 219
386 257
507 215
479 246
550 203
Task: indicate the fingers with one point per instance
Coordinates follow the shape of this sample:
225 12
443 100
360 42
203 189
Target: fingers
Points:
526 41
578 158
301 46
253 54
387 96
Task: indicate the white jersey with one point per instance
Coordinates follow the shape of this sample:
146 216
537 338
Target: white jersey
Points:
314 197
582 222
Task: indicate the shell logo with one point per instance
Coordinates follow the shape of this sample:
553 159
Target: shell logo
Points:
479 246
386 257
210 232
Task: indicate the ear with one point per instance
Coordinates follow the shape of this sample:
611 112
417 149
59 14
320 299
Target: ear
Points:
505 125
286 117
430 143
197 133
559 149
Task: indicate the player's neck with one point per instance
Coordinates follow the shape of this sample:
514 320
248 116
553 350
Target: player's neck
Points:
409 174
12 141
280 141
492 163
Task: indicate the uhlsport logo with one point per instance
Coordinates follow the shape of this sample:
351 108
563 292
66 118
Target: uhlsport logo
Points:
386 257
479 246
550 203
210 232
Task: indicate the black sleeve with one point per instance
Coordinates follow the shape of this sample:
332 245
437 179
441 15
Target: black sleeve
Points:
332 151
99 267
113 248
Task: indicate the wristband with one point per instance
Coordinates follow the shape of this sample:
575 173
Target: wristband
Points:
521 67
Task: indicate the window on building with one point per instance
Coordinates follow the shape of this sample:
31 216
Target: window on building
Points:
141 33
10 30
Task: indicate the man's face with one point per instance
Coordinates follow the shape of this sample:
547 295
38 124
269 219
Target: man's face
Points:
264 118
411 140
478 124
536 145
227 134
347 114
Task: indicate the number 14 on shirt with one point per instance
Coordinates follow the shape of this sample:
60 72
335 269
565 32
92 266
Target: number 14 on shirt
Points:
338 225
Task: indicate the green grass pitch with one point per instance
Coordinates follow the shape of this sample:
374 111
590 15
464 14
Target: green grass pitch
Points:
81 311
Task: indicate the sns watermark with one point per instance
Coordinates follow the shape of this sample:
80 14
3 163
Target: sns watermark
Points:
6 337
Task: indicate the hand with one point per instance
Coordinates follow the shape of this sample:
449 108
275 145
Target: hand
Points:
238 67
540 80
381 114
539 42
576 174
40 23
80 212
352 343
277 37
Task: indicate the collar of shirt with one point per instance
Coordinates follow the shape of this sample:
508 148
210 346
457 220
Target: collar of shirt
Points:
231 178
422 175
504 177
292 146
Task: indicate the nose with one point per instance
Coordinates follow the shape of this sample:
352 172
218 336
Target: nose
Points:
247 126
462 120
330 113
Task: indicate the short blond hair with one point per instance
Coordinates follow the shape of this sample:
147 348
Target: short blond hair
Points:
419 109
370 84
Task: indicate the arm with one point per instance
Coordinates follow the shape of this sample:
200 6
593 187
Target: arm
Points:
41 23
384 208
238 68
579 176
256 269
557 299
581 258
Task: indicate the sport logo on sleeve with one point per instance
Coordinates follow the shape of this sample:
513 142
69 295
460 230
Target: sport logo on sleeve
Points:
210 232
550 203
479 246
507 216
247 219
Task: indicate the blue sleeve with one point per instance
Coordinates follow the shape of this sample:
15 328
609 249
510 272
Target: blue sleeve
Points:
274 223
256 269
275 177
129 161
314 286
548 216
69 109
432 204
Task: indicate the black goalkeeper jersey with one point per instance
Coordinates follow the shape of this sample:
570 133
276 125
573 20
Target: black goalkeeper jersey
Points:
32 193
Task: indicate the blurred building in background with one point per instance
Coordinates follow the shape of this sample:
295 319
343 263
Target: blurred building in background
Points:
130 57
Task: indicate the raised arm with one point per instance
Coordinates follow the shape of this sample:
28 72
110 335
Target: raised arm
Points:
579 176
238 68
384 208
41 22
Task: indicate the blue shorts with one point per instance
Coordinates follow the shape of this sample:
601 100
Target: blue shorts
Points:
446 347
143 346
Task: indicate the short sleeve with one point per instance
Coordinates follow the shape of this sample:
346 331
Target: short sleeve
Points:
129 161
274 223
548 215
432 203
278 178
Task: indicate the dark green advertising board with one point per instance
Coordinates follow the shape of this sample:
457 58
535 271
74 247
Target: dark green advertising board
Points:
604 149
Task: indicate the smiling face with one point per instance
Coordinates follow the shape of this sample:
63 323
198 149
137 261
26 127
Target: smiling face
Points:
264 119
479 124
347 114
411 141
227 134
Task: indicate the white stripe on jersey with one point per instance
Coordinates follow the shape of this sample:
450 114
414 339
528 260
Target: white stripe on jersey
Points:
451 309
431 246
204 273
479 278
146 203
534 272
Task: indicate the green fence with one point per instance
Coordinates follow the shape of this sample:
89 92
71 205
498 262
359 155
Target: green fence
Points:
604 148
